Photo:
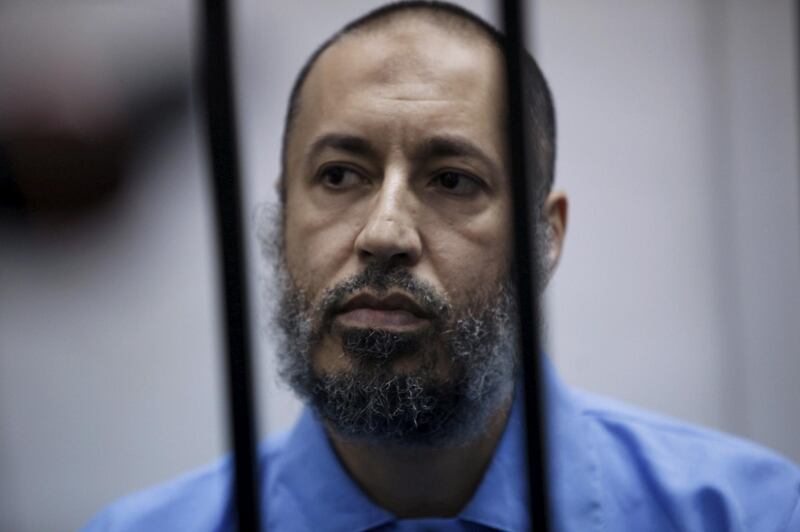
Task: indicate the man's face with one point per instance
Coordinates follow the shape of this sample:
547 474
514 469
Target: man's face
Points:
397 205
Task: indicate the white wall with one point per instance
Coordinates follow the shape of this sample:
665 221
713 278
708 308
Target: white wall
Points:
680 285
679 289
109 374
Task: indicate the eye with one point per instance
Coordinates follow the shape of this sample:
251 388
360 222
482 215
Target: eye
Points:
339 177
457 183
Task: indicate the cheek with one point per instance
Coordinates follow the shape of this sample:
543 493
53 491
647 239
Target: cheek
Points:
317 247
472 255
467 271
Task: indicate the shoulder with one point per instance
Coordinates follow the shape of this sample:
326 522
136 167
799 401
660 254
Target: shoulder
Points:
694 478
195 501
199 500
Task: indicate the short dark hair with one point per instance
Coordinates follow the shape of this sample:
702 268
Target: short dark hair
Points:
540 116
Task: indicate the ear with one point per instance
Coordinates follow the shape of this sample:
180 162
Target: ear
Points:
555 211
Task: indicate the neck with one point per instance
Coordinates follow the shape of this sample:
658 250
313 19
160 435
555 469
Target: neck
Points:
422 482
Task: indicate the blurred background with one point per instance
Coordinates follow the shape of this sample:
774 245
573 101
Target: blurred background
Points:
679 289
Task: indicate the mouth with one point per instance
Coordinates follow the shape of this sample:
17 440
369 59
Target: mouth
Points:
397 312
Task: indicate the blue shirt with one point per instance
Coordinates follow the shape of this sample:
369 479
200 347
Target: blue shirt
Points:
612 468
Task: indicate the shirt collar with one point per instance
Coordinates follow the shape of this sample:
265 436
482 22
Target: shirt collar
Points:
303 477
501 501
575 492
309 483
501 498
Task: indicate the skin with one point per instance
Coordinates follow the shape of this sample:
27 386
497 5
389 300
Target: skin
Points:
364 184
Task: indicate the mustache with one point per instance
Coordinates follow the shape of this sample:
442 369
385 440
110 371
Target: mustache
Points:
379 278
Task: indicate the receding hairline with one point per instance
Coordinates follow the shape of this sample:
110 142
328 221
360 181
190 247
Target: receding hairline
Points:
454 23
460 23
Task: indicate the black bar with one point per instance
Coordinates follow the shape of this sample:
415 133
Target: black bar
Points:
797 75
524 228
217 73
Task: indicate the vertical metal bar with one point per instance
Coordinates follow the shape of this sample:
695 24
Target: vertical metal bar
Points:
797 71
524 228
223 145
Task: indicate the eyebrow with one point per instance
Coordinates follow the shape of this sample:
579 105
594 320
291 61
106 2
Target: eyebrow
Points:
432 147
342 142
455 146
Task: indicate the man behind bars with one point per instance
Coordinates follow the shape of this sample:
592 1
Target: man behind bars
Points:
393 259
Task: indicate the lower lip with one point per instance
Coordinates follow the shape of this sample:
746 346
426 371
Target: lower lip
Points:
381 319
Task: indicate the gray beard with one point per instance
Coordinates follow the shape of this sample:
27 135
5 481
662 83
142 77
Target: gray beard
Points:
370 402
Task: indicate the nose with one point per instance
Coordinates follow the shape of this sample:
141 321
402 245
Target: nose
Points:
390 232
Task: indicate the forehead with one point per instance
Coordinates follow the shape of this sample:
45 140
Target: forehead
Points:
413 75
409 51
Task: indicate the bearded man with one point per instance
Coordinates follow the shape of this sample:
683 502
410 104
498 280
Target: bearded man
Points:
393 260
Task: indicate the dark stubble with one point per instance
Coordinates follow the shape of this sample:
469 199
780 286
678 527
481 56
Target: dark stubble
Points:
372 401
475 340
